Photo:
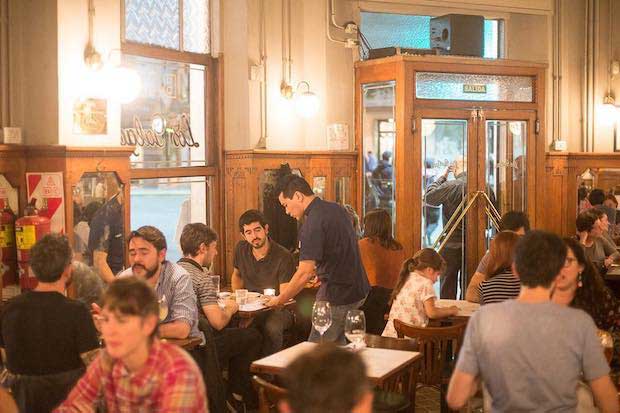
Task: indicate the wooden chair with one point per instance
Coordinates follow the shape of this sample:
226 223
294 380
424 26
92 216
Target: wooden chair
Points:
268 395
440 348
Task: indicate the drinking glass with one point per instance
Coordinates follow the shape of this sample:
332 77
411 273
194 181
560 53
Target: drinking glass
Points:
242 296
215 281
163 308
355 327
321 317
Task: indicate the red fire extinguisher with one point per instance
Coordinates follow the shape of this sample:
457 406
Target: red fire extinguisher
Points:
8 260
28 230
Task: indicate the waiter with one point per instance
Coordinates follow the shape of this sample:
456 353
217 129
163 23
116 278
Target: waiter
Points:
328 248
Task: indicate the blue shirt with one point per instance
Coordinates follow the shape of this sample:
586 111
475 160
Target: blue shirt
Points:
327 237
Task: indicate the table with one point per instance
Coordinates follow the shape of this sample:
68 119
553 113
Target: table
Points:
188 344
381 364
252 309
466 309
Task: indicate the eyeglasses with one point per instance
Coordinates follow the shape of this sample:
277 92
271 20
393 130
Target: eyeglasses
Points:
569 261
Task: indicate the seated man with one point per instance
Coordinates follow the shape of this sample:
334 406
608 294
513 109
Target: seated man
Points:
259 263
47 337
529 352
236 348
136 372
327 379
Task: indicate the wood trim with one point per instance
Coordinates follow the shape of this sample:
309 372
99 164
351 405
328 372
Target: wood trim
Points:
149 173
156 52
448 61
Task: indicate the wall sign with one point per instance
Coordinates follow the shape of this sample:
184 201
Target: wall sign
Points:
474 88
163 132
47 188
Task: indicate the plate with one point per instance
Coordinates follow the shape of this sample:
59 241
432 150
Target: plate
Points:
224 294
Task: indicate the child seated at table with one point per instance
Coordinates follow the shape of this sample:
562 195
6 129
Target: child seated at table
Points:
413 298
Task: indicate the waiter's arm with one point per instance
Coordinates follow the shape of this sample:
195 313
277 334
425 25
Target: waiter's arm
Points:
304 272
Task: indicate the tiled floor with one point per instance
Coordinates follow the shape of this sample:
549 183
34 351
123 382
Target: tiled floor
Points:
427 401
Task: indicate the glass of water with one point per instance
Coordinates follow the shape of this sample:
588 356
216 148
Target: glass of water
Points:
321 317
163 308
355 328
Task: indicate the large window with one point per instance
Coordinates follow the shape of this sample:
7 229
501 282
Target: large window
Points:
413 31
172 123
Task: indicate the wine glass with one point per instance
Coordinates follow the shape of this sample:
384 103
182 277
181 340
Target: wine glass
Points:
355 327
163 308
321 317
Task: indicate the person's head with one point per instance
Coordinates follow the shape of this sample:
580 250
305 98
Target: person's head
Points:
355 219
501 252
611 201
378 227
87 283
50 259
580 278
582 193
596 197
294 194
147 251
587 221
199 241
129 317
327 379
89 211
539 257
254 228
459 166
515 221
602 220
426 262
386 156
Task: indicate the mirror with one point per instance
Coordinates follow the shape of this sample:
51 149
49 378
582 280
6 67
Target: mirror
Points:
607 180
98 221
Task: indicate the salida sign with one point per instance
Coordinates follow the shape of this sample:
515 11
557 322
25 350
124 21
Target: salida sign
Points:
178 134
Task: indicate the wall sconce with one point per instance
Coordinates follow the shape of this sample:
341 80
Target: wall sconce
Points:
306 103
609 110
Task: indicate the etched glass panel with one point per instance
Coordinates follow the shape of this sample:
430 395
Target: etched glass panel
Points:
154 22
170 204
196 26
166 122
460 86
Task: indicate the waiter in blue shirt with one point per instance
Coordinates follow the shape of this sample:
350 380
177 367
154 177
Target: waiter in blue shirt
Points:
328 248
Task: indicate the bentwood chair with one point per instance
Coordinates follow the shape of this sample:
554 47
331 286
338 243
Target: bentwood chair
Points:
268 395
439 347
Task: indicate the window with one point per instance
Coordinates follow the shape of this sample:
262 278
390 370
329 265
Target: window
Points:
413 31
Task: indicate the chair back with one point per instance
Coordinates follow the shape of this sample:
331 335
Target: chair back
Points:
439 346
390 343
268 395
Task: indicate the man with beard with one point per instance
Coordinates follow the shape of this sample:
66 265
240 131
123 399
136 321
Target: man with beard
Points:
236 348
260 263
46 337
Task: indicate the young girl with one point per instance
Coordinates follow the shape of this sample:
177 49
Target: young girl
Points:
413 298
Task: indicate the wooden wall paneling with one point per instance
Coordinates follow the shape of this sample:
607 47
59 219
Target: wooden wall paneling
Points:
553 213
13 167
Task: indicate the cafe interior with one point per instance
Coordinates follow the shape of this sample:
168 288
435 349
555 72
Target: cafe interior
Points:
193 111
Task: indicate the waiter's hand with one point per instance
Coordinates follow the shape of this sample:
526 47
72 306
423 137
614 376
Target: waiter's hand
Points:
274 302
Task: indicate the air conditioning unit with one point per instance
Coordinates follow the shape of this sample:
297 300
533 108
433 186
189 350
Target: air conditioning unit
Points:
458 34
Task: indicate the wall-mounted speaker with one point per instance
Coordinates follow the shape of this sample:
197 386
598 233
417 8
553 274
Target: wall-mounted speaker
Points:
458 34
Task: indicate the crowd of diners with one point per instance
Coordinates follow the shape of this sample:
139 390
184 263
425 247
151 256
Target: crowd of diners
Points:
532 344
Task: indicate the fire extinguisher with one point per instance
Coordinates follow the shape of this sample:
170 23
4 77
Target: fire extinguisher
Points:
28 230
8 257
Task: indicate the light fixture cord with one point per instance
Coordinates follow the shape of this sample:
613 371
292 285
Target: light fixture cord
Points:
91 16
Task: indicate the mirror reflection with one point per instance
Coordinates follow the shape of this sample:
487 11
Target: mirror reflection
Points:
600 187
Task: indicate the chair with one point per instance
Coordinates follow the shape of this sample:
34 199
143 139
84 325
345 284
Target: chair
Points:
440 347
268 395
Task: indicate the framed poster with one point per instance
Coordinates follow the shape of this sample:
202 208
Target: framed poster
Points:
47 189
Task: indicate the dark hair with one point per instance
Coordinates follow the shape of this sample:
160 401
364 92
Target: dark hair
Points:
425 258
539 257
598 212
501 252
195 234
378 227
612 198
326 379
582 193
596 197
292 183
89 211
131 296
513 220
151 235
593 296
250 216
386 155
585 221
50 256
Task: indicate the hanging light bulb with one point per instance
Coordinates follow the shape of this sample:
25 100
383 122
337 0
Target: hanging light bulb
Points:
609 112
306 103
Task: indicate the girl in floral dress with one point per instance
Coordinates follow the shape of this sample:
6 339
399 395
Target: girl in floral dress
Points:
413 298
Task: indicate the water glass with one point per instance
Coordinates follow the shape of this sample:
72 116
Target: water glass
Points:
355 327
321 317
269 292
242 296
163 308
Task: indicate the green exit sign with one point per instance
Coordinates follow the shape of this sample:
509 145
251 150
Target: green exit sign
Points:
474 88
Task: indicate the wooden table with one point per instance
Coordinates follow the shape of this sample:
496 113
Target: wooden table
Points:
381 364
188 344
466 309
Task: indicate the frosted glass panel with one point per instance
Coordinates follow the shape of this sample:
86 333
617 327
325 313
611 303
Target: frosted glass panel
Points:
154 22
196 26
459 86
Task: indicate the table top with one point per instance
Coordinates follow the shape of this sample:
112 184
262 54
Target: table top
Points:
381 363
254 308
466 309
189 343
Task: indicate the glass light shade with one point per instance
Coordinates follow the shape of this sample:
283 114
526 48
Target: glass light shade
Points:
609 113
307 104
124 84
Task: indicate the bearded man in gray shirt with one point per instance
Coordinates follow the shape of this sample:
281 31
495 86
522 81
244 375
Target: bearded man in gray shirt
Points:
529 352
